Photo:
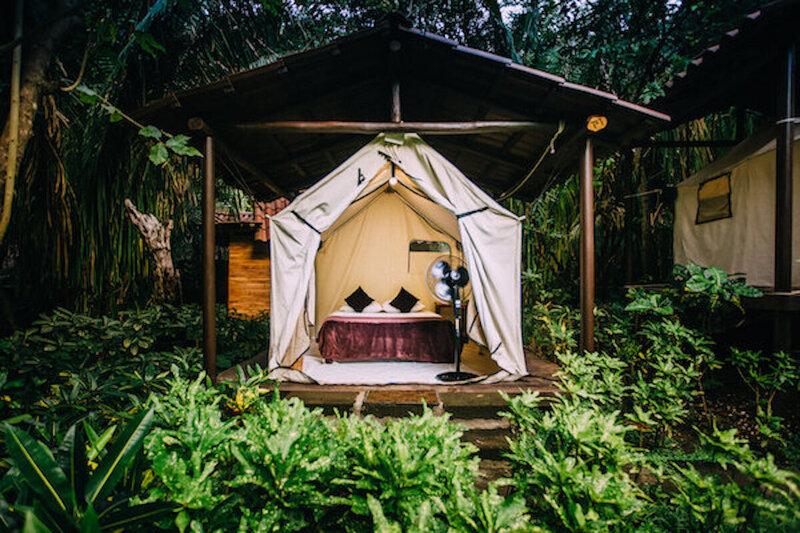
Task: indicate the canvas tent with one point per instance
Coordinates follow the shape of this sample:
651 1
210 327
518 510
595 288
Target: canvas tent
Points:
354 225
740 236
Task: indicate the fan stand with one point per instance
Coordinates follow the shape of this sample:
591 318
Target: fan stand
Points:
458 375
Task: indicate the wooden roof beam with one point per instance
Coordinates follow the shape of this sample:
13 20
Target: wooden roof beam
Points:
654 143
373 128
199 125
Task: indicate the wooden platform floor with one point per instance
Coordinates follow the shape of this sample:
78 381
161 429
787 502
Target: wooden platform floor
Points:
463 401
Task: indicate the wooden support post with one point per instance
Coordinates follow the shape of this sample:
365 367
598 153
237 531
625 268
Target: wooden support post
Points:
783 181
586 189
397 115
787 89
209 273
740 116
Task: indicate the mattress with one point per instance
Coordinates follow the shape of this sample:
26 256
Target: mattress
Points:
423 336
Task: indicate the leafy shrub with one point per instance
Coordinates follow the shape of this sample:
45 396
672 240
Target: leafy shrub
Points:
766 376
596 377
277 466
667 362
570 463
578 471
749 493
550 328
69 365
710 298
288 457
653 392
404 463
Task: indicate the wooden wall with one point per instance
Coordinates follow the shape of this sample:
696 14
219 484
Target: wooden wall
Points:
248 275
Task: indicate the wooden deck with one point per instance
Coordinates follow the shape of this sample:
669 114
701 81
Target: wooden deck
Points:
775 301
463 401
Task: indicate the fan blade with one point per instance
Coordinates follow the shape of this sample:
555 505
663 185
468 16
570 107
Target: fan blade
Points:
443 291
440 270
463 277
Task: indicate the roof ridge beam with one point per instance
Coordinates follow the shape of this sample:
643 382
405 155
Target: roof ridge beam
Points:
372 128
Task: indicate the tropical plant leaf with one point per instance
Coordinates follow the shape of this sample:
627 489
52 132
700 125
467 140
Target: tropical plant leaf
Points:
86 94
39 469
89 522
138 513
78 468
151 132
113 465
98 442
33 524
381 523
178 144
159 154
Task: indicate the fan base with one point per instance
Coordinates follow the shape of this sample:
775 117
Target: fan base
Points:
450 377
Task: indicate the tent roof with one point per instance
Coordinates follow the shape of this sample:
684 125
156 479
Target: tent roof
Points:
760 142
741 69
350 80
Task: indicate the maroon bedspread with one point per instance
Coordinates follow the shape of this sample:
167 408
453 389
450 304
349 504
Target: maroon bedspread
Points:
397 338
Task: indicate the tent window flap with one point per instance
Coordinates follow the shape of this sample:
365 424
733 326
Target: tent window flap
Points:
714 199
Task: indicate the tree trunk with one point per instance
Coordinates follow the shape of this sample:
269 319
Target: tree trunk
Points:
156 235
32 84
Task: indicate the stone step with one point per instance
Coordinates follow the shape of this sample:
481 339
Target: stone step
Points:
492 443
491 470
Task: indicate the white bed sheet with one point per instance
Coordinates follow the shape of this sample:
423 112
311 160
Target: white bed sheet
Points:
388 316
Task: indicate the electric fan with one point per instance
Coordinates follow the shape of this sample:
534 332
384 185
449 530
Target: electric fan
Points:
445 277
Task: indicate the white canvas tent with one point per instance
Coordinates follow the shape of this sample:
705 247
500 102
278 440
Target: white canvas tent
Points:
743 243
353 226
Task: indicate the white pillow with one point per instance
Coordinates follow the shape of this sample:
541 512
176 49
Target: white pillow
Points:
389 308
373 307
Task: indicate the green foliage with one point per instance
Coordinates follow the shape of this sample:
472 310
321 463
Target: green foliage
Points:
70 365
78 491
575 464
595 377
629 47
404 463
550 328
277 466
648 302
766 376
570 463
709 297
190 453
653 380
768 499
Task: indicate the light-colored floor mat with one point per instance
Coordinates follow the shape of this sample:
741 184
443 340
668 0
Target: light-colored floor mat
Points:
375 372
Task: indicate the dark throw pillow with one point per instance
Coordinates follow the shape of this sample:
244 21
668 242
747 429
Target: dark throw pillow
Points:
358 300
404 301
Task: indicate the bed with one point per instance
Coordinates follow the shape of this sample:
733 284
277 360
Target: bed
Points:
424 337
